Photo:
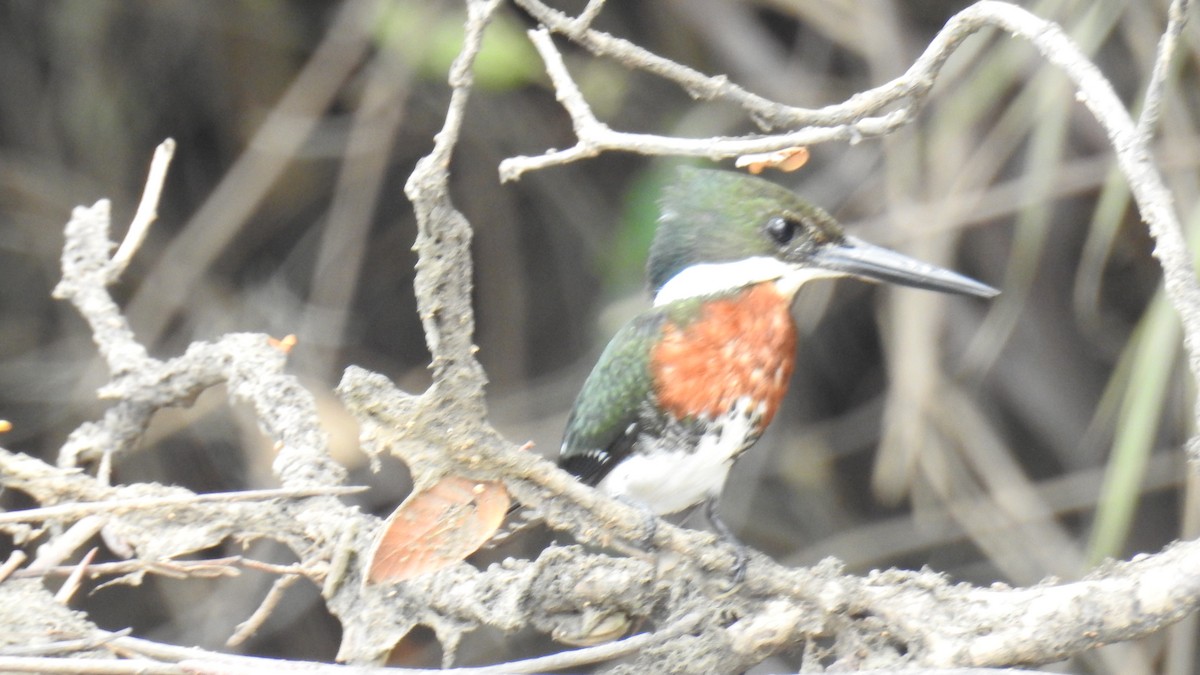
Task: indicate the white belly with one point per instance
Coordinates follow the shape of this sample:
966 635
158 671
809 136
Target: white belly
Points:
668 480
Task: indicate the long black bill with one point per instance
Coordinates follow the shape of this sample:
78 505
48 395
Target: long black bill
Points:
861 259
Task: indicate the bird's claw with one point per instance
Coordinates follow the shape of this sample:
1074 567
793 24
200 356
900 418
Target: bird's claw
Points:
741 553
649 530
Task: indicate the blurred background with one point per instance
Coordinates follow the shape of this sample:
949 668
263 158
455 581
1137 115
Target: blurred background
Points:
1002 441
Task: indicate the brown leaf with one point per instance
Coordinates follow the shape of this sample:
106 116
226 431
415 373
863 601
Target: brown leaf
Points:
437 527
283 344
788 159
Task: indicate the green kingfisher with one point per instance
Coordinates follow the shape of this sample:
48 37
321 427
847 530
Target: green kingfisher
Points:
688 385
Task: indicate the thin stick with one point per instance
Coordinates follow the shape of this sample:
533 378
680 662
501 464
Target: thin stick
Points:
147 211
246 629
1152 105
587 16
605 652
174 568
83 666
60 511
71 585
67 543
14 561
104 470
65 646
595 137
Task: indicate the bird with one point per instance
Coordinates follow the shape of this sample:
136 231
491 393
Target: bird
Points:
688 385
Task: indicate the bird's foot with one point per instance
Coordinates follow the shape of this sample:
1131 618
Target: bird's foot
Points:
649 526
740 552
649 530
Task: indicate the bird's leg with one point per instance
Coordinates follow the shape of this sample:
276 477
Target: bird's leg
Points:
643 546
649 522
742 556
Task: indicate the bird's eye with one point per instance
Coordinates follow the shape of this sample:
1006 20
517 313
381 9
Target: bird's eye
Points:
782 229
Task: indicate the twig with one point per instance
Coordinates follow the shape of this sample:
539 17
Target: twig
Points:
67 543
1152 104
861 116
444 290
268 153
71 585
105 465
180 569
15 560
246 629
85 267
64 646
64 511
599 653
587 16
147 211
768 113
196 658
83 666
272 568
595 137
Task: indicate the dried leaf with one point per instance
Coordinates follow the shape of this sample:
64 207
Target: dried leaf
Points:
788 159
283 344
437 527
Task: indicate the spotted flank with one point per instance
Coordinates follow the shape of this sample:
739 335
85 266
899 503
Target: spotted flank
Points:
668 476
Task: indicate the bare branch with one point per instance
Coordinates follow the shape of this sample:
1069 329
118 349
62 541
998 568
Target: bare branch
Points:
595 137
67 543
267 155
73 510
769 114
15 560
1152 105
443 280
178 569
65 646
83 666
246 629
147 211
71 585
587 16
85 265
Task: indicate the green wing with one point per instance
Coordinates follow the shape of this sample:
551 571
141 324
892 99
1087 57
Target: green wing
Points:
609 413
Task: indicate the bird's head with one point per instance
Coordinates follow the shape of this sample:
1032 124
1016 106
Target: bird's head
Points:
719 231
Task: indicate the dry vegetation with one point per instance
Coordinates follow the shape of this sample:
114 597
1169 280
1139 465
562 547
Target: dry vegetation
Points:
1000 445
